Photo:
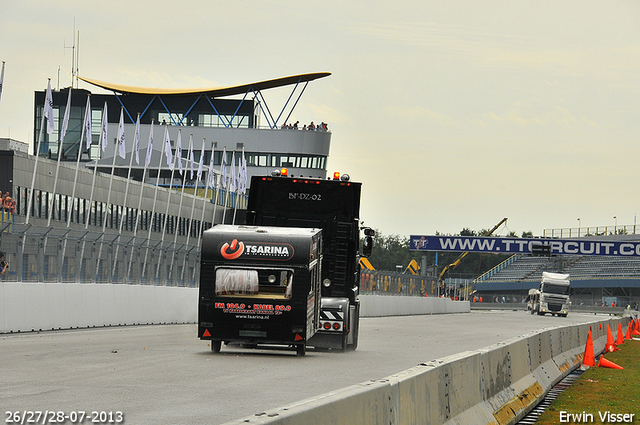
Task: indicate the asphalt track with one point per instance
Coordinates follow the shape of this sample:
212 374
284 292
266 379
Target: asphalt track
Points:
165 374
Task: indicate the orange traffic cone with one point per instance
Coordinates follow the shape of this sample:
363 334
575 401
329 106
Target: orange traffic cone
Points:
610 346
607 363
619 337
628 336
589 358
636 328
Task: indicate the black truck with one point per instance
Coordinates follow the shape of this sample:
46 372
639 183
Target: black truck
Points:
291 204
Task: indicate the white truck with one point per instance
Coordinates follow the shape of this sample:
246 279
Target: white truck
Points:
552 296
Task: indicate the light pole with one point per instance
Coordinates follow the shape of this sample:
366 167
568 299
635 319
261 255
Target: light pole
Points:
578 226
615 227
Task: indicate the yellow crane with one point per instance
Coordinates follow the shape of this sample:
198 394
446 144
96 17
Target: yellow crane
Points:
462 256
365 264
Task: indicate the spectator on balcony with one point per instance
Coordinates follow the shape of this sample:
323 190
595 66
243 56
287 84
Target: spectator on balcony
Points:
7 202
3 264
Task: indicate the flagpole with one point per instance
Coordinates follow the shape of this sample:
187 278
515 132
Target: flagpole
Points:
193 202
65 123
87 113
166 212
126 193
206 187
55 179
47 101
227 190
1 79
147 160
103 135
113 168
222 182
153 209
184 176
237 187
210 182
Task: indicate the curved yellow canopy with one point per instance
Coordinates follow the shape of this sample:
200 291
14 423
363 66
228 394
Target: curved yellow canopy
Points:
213 92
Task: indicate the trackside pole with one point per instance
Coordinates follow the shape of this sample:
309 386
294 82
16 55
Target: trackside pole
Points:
153 209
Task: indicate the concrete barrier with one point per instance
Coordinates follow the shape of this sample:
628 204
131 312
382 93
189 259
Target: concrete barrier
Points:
496 385
28 307
380 305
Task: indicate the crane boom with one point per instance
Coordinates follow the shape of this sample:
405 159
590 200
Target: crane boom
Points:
462 256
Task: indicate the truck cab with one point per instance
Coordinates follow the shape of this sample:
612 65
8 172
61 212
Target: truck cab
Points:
552 296
332 205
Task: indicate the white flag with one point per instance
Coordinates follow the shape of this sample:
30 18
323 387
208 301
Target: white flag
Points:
103 129
1 79
137 140
167 149
121 149
147 159
65 121
48 109
87 122
223 168
210 164
232 183
179 152
243 176
199 174
191 155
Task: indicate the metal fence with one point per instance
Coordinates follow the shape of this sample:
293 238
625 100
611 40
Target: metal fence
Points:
40 254
380 282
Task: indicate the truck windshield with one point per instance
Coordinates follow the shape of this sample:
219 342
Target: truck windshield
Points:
260 283
555 289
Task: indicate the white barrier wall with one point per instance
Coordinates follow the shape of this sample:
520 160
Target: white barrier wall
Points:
46 306
495 385
379 305
28 307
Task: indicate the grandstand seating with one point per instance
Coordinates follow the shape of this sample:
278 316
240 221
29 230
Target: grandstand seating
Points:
530 268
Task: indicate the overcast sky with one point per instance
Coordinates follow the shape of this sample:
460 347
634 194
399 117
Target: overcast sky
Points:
453 114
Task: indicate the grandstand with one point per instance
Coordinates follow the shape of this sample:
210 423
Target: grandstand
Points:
594 279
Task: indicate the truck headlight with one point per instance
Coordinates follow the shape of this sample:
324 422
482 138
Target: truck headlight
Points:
326 283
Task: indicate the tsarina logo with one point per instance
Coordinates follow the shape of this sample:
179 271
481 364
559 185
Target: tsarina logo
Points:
233 251
262 250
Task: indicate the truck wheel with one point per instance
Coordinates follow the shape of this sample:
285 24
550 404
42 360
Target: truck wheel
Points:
301 350
215 346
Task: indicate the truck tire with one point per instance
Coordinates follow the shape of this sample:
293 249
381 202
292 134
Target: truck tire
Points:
215 346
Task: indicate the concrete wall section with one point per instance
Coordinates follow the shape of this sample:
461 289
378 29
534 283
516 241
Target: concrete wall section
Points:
495 385
377 305
46 306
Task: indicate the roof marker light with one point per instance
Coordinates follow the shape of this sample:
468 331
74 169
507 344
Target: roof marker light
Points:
284 172
336 175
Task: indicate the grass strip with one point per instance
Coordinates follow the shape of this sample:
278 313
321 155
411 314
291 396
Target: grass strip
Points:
602 395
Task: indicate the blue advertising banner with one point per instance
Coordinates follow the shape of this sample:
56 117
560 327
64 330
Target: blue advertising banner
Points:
523 245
